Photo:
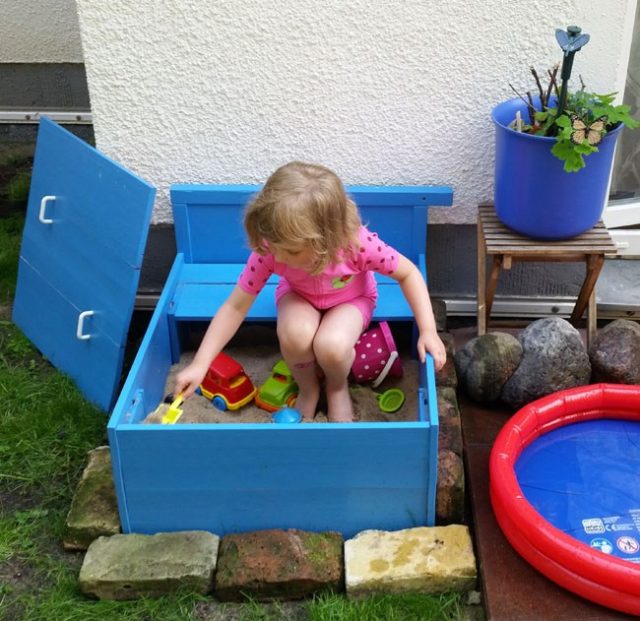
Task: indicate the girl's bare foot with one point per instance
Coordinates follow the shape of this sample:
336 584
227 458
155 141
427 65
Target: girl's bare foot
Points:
306 403
339 406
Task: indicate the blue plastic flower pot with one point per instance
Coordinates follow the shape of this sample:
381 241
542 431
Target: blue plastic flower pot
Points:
533 195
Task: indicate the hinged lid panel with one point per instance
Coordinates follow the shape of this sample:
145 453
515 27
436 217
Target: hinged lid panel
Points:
85 233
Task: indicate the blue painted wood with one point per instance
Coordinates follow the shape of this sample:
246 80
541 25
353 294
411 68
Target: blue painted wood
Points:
90 256
429 396
144 387
151 364
198 300
231 478
210 235
234 478
397 213
204 194
49 320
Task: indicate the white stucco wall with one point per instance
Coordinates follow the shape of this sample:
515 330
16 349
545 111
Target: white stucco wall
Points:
383 92
44 31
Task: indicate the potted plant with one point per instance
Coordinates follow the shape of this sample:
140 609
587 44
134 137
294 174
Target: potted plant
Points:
554 152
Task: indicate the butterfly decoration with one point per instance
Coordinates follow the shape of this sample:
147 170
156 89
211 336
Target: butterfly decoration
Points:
592 132
571 40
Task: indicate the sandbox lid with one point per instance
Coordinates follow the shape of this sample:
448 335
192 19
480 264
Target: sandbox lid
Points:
85 232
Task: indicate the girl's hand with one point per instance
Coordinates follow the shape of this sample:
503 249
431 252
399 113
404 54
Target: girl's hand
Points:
430 342
189 379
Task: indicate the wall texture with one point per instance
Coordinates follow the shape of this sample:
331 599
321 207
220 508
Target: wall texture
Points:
383 92
45 31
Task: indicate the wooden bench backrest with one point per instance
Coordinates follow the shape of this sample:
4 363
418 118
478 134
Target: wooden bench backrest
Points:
208 218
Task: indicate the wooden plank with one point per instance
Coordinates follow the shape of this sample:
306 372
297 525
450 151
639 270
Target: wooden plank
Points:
507 246
500 240
243 477
543 251
200 301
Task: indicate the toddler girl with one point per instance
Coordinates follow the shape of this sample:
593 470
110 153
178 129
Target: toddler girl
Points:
304 227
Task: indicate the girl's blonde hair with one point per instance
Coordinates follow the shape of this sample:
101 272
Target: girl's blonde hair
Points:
304 205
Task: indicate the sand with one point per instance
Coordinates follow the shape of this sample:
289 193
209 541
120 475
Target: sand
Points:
257 351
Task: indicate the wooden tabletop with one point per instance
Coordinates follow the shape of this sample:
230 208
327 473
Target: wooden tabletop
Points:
501 240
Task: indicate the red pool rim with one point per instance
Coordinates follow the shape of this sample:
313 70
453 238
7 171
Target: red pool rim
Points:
572 564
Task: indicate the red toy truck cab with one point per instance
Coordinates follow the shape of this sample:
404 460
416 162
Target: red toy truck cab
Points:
226 384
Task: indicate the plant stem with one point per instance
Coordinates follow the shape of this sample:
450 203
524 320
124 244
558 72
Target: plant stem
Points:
530 108
552 81
543 100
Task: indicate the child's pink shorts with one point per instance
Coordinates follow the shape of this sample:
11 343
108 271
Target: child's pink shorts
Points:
364 304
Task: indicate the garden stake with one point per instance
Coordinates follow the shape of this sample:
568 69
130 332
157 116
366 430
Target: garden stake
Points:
570 41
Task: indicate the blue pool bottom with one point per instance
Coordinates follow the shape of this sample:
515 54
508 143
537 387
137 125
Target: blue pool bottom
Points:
584 479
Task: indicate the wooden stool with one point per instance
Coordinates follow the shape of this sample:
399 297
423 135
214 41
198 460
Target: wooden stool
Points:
505 246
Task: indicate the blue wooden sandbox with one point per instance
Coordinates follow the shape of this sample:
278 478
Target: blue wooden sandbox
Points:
239 477
223 478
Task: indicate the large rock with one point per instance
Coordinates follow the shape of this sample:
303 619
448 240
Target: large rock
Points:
278 564
94 508
420 560
615 353
486 363
554 358
130 566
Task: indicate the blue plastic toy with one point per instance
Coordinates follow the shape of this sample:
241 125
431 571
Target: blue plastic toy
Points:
286 415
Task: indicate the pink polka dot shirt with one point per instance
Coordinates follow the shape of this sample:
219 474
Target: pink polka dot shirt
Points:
341 282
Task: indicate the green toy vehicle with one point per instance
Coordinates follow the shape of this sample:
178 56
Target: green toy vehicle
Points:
279 390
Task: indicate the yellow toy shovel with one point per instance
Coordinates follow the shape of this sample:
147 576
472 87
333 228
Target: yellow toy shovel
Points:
173 411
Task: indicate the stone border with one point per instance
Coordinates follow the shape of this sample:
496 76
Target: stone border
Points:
282 564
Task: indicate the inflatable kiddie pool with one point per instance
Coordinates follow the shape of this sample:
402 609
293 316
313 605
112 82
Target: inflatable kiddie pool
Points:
565 489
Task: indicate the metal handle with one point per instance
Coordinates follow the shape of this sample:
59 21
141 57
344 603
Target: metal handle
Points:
43 205
80 329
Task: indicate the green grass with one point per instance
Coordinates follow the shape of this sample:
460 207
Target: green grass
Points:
46 429
387 608
10 235
18 188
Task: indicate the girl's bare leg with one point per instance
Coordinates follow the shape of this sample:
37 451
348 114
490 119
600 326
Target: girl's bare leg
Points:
333 345
298 323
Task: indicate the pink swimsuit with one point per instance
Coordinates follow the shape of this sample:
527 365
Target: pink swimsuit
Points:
350 281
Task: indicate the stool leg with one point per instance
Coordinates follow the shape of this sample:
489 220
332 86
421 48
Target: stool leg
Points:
482 277
492 285
592 318
594 265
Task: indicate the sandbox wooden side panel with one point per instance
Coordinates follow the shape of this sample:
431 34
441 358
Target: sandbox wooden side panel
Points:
234 478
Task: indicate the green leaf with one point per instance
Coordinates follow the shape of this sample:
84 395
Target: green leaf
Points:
565 150
574 162
563 121
585 148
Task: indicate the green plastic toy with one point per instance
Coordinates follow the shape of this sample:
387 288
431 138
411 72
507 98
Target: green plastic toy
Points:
391 400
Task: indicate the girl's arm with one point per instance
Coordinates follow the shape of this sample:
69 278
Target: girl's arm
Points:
223 326
415 291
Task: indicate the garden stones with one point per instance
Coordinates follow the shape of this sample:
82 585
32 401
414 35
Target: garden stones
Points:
548 356
278 564
486 363
94 510
615 353
124 567
554 358
415 560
